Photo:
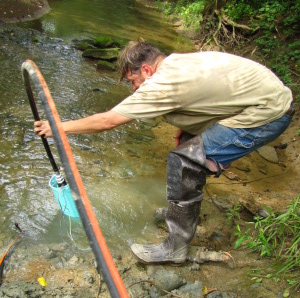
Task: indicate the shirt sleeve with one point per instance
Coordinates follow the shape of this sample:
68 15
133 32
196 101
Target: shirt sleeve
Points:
149 101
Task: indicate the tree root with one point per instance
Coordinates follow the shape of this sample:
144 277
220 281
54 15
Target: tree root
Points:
234 25
205 255
221 35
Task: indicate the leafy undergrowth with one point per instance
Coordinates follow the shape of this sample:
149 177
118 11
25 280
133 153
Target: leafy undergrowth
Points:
270 27
277 237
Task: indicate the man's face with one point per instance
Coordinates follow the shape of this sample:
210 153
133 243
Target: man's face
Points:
136 79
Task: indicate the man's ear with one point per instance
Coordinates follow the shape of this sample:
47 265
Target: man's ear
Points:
147 70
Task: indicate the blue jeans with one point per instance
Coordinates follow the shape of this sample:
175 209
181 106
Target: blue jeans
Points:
187 165
225 144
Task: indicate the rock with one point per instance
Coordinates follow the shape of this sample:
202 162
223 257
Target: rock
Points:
263 213
106 65
104 54
88 277
82 46
103 42
190 290
195 267
268 153
166 280
73 261
222 203
21 289
230 175
160 213
217 294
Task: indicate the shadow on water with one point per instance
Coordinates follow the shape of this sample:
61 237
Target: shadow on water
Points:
123 183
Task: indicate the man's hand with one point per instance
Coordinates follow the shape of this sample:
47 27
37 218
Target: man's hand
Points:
42 128
91 124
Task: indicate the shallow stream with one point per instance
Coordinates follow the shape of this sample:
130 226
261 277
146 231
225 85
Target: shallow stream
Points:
122 171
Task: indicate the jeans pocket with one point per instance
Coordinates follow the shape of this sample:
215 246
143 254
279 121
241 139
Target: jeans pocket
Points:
245 139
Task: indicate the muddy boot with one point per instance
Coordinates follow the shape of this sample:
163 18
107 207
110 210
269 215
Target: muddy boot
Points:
182 222
185 180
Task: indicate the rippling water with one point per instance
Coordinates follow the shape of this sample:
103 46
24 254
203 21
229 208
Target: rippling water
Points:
123 182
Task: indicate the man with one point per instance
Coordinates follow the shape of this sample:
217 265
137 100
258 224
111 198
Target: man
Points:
225 107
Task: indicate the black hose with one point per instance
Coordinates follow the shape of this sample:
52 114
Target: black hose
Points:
37 118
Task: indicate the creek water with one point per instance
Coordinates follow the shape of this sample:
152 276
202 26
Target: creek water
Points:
122 172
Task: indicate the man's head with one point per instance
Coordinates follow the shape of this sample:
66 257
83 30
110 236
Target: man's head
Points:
137 61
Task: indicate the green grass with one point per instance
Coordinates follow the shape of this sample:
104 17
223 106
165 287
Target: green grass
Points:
277 237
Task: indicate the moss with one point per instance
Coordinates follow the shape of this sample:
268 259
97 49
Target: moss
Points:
104 54
105 65
103 42
82 46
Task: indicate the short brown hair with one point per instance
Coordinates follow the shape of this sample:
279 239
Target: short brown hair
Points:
135 54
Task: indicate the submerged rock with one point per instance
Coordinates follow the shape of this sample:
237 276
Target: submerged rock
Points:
106 65
104 54
82 46
104 42
103 48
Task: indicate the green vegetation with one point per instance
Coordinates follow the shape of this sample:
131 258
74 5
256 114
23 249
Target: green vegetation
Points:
233 214
277 237
265 30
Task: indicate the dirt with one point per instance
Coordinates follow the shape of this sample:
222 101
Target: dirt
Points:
253 182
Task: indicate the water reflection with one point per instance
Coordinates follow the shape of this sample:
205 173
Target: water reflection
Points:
123 19
124 177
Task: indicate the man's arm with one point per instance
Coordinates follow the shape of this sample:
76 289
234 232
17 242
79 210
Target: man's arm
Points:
91 124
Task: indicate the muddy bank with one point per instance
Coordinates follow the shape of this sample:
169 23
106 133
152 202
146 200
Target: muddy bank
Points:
22 10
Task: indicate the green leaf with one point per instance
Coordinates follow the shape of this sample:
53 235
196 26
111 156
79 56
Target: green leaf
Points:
286 293
291 282
239 242
252 244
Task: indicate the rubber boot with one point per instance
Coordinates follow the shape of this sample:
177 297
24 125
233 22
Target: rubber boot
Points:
181 221
185 180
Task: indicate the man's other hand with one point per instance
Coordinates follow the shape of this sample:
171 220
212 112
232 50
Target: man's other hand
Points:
42 128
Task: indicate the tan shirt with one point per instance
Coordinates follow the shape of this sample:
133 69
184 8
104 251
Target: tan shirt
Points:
194 91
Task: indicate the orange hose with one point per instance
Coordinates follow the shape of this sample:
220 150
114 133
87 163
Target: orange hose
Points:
82 192
8 249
